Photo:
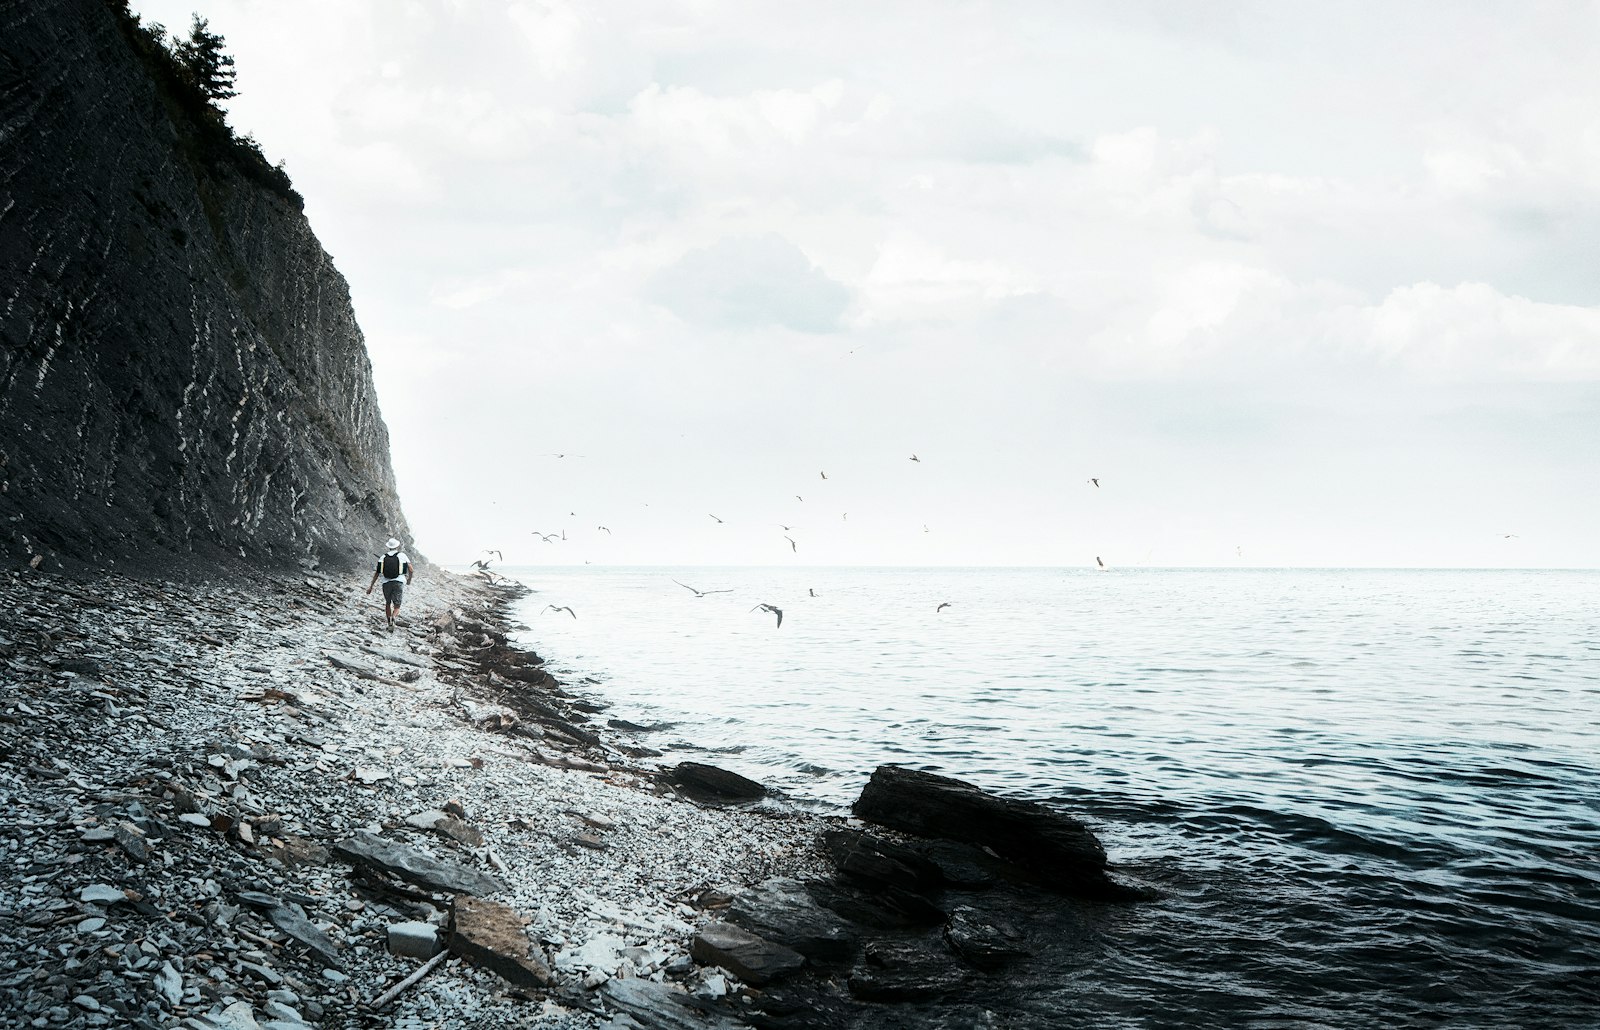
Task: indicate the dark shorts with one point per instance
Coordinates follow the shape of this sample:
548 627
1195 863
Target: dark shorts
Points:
392 589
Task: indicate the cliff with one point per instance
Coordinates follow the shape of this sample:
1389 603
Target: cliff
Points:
182 379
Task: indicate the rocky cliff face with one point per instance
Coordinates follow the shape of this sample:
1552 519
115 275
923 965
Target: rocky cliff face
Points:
181 373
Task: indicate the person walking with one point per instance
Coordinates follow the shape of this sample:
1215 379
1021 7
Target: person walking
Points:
395 568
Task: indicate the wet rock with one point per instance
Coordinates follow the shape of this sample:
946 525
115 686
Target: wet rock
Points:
906 970
369 851
749 957
986 941
709 784
491 935
876 860
783 911
1055 850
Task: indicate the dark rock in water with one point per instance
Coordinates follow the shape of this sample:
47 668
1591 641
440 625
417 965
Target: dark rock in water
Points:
708 783
180 367
660 1007
782 911
963 866
866 857
907 970
877 906
752 959
1054 850
364 849
986 941
491 935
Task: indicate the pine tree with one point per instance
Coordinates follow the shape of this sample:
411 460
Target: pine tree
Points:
204 59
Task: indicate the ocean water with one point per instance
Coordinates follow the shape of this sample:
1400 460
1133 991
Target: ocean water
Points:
1369 798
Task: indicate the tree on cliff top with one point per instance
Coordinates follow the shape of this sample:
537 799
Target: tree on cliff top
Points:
204 59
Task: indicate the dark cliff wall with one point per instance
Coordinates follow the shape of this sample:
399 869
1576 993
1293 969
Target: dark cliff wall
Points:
181 372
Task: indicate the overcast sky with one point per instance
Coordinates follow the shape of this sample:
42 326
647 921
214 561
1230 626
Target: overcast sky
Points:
1299 284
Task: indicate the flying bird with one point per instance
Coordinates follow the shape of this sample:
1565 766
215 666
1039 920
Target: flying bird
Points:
497 554
719 521
942 606
546 537
563 455
1509 536
608 532
792 546
811 591
786 529
559 608
482 565
845 517
702 593
1098 562
915 458
773 609
1096 483
824 475
797 497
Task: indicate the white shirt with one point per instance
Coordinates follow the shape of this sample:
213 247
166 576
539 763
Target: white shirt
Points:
404 561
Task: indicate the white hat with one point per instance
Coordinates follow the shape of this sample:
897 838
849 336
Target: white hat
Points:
393 544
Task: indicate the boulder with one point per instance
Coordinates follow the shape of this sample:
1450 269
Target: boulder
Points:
782 911
709 784
752 959
413 939
1053 850
491 935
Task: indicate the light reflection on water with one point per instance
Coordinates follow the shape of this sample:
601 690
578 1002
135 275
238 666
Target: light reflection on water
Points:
1423 741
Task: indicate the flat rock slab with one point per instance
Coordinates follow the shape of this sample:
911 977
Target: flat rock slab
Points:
663 1007
872 858
986 941
365 849
291 919
752 959
907 971
781 910
491 935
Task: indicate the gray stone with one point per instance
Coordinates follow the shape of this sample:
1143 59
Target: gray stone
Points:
752 959
413 939
102 894
365 849
169 984
987 942
708 783
663 1007
291 919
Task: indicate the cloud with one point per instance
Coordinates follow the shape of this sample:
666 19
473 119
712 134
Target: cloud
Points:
750 282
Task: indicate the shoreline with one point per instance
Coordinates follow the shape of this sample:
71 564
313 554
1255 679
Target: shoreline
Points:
205 748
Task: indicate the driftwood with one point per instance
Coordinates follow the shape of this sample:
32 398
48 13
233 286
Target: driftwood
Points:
394 992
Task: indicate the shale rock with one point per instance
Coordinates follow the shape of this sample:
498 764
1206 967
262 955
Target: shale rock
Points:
661 1007
711 785
752 959
490 935
365 849
782 911
1052 849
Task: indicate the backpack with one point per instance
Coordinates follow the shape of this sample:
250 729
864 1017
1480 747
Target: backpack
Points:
390 566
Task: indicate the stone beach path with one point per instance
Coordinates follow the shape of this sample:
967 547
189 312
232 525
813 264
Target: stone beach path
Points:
247 805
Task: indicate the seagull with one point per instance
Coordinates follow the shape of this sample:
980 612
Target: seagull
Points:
559 608
925 527
811 591
824 475
915 458
1096 483
786 529
797 497
563 455
770 608
702 593
942 607
1098 562
546 537
845 517
608 532
497 554
1509 536
482 564
719 521
792 546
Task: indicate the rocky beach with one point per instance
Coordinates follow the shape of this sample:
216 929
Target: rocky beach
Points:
247 804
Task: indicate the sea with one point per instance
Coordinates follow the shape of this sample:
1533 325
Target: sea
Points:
1366 797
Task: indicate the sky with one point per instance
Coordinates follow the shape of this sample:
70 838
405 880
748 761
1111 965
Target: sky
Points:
1298 285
